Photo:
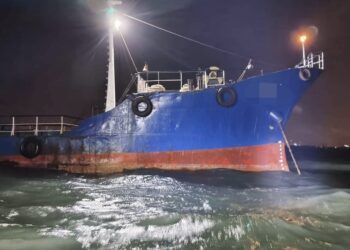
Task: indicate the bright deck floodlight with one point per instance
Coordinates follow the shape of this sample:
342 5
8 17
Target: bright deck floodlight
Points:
117 24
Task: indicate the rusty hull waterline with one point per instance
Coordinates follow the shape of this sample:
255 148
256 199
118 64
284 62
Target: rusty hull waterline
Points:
251 159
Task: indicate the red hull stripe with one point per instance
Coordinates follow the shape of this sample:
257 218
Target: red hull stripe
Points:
269 157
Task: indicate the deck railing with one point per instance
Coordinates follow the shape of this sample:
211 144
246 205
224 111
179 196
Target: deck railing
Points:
312 60
148 78
37 125
154 77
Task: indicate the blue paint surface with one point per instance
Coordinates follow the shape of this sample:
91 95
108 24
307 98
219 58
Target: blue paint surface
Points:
186 121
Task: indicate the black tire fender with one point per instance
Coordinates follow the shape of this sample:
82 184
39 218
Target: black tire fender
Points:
139 110
305 74
31 147
226 96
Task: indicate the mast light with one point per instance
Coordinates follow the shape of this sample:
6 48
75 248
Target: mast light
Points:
302 38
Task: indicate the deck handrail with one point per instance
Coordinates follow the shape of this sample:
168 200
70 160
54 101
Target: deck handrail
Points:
312 60
145 78
14 127
42 115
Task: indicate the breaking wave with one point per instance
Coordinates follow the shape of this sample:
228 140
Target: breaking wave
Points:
157 211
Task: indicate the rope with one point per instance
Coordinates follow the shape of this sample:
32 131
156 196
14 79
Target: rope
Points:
289 148
128 87
127 48
196 41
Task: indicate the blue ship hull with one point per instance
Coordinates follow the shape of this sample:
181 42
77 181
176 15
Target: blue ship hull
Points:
185 130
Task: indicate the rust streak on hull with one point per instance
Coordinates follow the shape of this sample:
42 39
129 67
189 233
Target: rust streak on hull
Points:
259 158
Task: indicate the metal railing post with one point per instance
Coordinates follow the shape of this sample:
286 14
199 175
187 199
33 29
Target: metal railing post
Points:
181 79
61 130
13 126
36 125
158 76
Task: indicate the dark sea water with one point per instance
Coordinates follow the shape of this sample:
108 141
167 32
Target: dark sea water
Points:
177 210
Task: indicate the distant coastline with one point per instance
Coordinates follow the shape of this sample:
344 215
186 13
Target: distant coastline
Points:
321 153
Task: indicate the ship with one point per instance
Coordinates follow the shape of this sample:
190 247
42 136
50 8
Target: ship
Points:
206 122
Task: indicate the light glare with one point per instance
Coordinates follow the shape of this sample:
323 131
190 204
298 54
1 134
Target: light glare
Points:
303 38
117 24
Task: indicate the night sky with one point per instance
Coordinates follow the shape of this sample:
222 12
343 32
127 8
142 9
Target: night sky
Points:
53 54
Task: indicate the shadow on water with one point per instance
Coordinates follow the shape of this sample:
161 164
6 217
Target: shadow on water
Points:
326 174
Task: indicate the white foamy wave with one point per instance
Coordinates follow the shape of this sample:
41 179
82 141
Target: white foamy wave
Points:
183 231
41 211
142 182
234 231
187 229
57 232
113 208
11 193
123 198
13 213
206 206
10 225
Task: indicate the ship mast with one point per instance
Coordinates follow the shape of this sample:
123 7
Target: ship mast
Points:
110 93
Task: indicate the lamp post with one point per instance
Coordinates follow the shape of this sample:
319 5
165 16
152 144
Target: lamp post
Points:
113 24
302 39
